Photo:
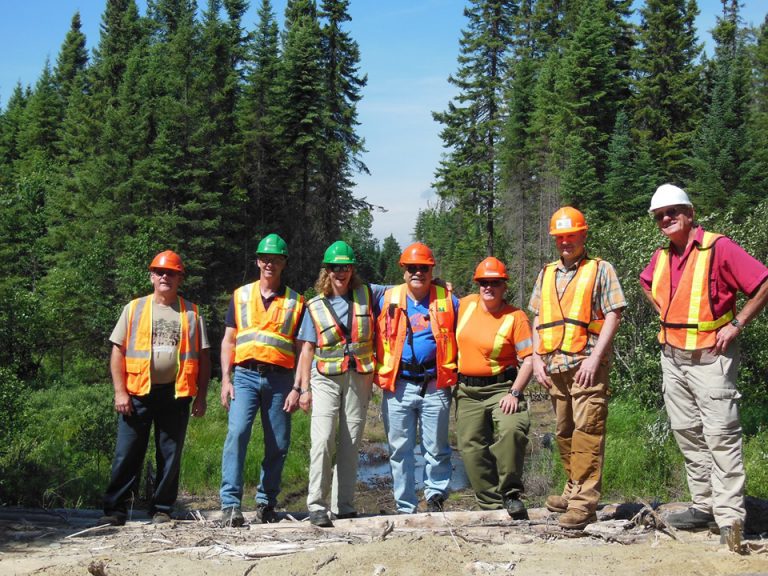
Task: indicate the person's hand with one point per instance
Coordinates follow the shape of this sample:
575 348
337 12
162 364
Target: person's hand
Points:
199 406
227 392
123 403
291 401
725 336
540 372
585 375
508 404
305 401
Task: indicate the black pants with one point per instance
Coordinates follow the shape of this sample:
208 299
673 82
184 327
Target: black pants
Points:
170 417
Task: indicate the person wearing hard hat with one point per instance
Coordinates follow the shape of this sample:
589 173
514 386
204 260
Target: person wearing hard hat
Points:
693 283
577 303
416 367
160 362
492 421
257 360
335 374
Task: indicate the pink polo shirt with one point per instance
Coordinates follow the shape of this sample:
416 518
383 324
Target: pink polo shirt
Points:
732 270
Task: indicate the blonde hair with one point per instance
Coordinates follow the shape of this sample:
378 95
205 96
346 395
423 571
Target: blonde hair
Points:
323 284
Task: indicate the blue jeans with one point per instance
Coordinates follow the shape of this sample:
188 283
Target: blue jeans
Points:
254 391
402 411
170 417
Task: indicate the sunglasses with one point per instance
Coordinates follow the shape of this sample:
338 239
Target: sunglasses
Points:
271 259
413 268
337 268
671 212
162 272
491 283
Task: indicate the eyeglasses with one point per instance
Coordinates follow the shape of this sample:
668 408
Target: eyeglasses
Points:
491 283
338 268
671 212
413 268
163 272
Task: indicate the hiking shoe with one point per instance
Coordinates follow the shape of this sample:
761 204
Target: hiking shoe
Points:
346 515
731 537
690 519
515 507
435 503
575 519
265 514
112 520
160 518
557 504
320 519
233 517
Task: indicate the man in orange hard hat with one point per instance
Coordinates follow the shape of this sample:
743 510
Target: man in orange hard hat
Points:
160 362
416 367
577 302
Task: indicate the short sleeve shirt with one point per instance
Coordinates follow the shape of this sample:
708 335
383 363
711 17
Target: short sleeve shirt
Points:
307 332
166 334
608 296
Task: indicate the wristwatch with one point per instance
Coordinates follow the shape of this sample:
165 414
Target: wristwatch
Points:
736 323
515 393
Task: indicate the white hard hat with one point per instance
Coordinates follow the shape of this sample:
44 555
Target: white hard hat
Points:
669 195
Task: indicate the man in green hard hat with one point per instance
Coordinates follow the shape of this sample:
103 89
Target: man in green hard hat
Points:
257 360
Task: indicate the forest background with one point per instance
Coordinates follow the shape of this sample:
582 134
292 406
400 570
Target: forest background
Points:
186 130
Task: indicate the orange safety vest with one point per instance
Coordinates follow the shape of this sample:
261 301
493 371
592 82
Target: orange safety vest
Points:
138 348
687 319
266 335
333 348
391 333
565 323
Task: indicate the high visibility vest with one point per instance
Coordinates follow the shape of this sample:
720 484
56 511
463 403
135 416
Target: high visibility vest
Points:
500 338
391 334
266 335
138 348
334 349
687 319
565 323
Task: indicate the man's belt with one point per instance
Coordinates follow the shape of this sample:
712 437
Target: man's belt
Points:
508 375
262 367
417 379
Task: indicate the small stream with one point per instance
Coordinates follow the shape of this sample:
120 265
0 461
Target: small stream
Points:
373 467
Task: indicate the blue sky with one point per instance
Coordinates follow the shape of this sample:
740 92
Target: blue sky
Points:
408 49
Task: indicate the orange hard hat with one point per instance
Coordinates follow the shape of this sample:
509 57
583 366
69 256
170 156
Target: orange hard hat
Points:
168 260
566 221
491 269
417 253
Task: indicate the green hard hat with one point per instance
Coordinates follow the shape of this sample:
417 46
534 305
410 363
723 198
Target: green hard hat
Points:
339 253
272 244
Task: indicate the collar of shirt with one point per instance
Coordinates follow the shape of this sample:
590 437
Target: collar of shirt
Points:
696 240
561 267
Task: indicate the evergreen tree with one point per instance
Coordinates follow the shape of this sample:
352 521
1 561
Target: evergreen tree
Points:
72 60
357 234
755 170
389 269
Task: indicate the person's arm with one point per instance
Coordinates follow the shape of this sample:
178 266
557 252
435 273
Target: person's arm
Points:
751 308
200 404
509 403
227 355
585 375
537 362
117 368
649 297
303 369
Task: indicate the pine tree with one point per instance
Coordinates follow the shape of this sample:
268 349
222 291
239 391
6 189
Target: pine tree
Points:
755 170
389 269
72 60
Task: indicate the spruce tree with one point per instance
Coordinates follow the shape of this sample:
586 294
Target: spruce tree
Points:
72 60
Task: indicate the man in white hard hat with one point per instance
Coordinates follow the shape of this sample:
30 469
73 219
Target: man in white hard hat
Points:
693 283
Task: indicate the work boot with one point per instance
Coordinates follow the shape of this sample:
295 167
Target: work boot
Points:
160 518
575 519
515 507
556 504
112 519
731 536
346 515
320 519
690 519
265 514
232 517
435 503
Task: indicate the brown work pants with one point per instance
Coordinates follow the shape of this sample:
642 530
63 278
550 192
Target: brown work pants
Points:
580 432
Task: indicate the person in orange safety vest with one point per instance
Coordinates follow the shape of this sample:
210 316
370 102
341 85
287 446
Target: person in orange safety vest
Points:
160 364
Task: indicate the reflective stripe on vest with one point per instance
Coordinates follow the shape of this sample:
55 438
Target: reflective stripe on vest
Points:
687 319
138 348
391 334
498 340
565 322
266 335
333 351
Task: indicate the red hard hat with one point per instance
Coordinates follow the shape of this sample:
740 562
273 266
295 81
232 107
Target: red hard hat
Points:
491 269
566 221
417 253
167 260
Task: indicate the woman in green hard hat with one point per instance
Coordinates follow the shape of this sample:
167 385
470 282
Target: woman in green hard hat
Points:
335 374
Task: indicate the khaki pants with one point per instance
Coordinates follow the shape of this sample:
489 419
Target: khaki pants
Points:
341 399
580 432
702 402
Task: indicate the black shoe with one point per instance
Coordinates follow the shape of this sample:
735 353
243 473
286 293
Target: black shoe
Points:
731 537
233 517
435 503
346 515
160 518
320 519
690 519
112 519
265 514
515 507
